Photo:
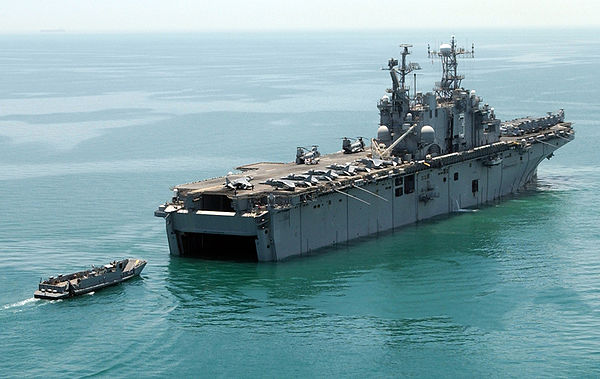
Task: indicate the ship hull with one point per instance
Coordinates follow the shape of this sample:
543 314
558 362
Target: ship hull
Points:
389 202
88 284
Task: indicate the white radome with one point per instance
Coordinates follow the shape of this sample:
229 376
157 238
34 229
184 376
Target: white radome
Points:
445 49
427 134
383 133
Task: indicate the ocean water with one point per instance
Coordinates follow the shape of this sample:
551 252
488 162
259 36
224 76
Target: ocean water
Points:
94 129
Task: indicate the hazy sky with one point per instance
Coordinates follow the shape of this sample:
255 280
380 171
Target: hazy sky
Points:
187 15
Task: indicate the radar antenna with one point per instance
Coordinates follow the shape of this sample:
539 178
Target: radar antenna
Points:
403 70
450 78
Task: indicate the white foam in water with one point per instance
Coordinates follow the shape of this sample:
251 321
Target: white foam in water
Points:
466 210
20 303
463 210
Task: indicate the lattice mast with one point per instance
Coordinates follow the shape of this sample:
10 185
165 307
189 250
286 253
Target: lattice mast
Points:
448 53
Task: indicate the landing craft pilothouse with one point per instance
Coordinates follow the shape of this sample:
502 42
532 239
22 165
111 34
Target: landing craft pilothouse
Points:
434 153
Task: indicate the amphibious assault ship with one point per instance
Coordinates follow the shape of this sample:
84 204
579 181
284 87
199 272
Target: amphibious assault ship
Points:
435 153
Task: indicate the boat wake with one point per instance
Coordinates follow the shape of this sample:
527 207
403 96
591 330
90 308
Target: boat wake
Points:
19 303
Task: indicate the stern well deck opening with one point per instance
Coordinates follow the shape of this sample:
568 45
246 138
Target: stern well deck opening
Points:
218 246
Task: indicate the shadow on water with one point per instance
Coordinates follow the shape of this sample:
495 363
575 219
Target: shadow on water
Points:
323 296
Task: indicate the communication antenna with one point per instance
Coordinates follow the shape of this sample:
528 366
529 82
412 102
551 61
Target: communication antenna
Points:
415 85
406 69
403 70
448 53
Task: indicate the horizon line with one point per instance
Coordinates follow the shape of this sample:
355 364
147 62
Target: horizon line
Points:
58 31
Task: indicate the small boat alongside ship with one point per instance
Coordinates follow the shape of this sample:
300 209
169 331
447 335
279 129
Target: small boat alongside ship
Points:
82 282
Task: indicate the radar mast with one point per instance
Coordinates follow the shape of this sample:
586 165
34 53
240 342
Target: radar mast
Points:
450 78
403 70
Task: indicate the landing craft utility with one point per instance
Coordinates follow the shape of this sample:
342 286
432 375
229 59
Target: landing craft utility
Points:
435 153
79 283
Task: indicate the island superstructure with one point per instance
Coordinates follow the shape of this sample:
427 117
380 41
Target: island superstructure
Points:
435 153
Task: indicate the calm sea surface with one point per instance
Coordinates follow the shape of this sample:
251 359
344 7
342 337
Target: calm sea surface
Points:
94 129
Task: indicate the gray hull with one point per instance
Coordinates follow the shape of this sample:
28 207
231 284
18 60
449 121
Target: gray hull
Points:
444 185
83 282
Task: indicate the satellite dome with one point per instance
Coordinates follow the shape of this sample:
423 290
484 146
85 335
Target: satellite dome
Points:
427 134
409 117
445 49
383 134
385 99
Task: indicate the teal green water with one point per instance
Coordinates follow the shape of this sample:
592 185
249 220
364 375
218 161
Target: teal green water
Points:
95 128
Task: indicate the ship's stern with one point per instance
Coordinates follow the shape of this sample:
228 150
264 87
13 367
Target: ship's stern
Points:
221 235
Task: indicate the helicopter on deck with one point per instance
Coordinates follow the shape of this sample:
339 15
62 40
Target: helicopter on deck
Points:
353 145
307 156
